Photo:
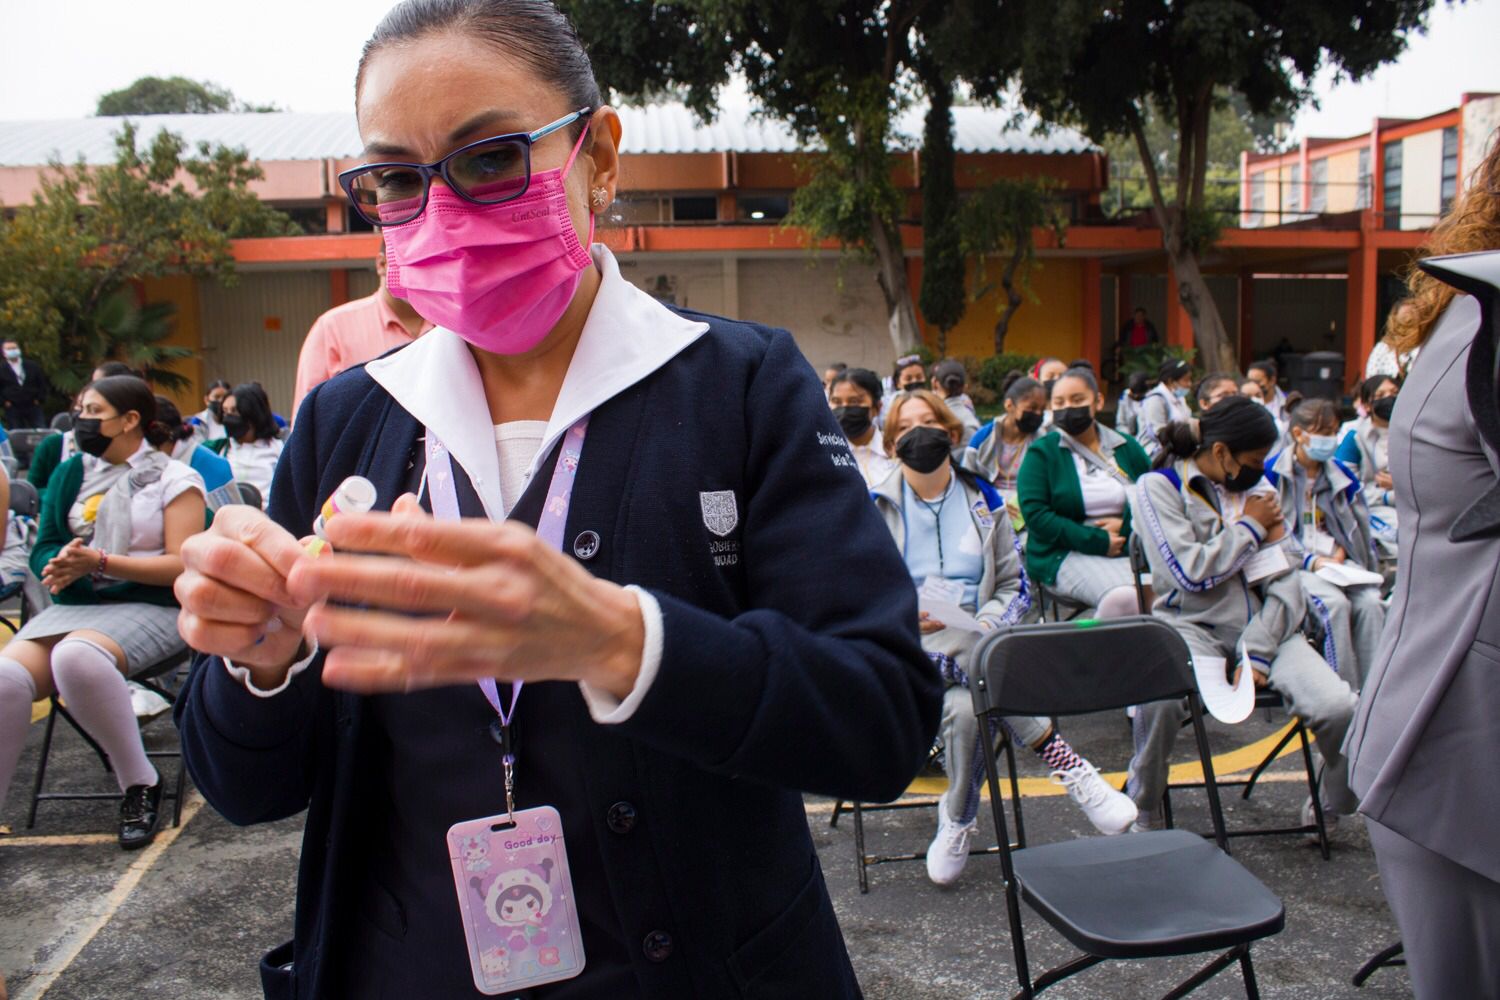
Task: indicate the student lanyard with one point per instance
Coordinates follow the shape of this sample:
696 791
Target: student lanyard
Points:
554 518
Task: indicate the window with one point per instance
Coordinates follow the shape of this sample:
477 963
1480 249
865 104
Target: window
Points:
1317 197
1362 196
639 210
1257 200
1391 205
1450 167
1293 199
763 207
695 208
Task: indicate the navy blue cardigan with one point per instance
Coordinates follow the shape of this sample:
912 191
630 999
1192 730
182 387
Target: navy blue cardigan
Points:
791 664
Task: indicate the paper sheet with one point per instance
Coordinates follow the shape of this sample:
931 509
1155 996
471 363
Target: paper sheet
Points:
1345 575
939 598
1267 562
1225 703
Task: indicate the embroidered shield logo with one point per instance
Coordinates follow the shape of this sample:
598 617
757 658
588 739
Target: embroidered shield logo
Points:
720 512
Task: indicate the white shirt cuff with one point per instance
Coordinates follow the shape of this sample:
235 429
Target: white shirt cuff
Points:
242 674
605 708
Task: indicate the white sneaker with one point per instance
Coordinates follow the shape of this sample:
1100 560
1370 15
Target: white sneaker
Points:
145 702
949 850
1109 809
1330 818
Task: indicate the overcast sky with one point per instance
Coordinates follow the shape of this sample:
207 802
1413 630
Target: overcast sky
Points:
58 56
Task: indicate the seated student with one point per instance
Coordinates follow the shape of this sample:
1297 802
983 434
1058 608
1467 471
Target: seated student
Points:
218 477
1165 404
1074 487
948 379
951 528
1047 371
1327 522
251 443
208 423
1203 526
1128 410
1366 449
1213 388
1264 375
854 395
996 452
108 550
830 372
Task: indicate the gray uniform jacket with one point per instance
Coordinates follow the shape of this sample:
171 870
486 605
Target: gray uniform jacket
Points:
1427 732
1197 563
1004 593
1160 408
1366 435
1338 497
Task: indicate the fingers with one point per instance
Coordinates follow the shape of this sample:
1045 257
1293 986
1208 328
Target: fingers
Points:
229 562
263 536
494 593
408 504
419 641
447 543
218 602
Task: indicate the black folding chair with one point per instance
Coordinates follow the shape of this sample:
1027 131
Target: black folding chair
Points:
23 442
149 677
250 496
1385 958
1266 700
865 860
1137 895
1055 607
24 502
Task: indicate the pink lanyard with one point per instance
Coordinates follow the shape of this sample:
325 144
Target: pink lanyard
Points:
444 497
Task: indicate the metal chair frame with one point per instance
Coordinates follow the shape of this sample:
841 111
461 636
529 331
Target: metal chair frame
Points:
1385 958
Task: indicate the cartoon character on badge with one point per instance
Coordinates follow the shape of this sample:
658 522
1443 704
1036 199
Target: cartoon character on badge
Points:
476 854
519 900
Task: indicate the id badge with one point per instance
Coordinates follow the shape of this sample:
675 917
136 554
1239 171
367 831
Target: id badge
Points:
1323 545
516 899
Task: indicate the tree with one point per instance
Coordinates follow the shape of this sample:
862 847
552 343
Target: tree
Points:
942 295
836 73
1102 64
91 232
174 95
1002 220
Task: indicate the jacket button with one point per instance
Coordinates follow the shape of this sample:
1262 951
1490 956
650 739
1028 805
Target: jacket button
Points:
586 545
621 817
657 946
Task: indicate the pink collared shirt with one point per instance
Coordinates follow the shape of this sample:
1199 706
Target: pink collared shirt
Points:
345 336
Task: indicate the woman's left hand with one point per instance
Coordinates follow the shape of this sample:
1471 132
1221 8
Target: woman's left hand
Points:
72 563
454 601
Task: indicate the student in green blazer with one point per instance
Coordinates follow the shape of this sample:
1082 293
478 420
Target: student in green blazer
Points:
1074 488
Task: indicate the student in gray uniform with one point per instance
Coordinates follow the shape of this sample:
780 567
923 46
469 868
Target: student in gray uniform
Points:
1128 410
996 452
1215 387
948 381
1327 523
1165 404
1426 738
951 525
1201 528
1366 449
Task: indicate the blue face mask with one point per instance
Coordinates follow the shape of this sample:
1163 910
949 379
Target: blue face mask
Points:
1321 447
1180 392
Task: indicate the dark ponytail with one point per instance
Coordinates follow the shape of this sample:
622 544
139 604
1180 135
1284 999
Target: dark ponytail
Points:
126 393
1238 421
168 425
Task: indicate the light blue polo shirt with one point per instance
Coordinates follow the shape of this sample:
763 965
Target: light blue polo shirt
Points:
962 548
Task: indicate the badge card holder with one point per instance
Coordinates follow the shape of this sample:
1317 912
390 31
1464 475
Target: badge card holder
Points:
516 899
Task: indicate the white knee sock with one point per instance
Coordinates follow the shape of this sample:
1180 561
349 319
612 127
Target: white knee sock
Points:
17 692
1118 603
95 692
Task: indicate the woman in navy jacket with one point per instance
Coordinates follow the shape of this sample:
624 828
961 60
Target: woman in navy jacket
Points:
767 644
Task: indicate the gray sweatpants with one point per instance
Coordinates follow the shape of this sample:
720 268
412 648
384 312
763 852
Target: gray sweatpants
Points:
1314 693
1449 917
1356 619
965 752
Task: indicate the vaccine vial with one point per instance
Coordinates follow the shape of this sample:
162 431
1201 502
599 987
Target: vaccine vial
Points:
355 495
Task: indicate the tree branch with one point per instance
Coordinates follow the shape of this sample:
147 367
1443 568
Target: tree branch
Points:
1201 123
1153 179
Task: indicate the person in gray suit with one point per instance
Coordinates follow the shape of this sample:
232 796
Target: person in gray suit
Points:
1426 736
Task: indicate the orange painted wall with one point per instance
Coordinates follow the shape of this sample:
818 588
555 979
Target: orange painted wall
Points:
187 331
1051 322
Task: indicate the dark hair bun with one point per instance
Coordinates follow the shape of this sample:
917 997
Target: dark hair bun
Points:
1180 438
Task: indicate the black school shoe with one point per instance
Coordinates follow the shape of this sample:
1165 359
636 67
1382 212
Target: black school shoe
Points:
140 813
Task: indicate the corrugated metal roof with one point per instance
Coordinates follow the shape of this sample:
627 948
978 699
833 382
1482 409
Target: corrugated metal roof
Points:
659 128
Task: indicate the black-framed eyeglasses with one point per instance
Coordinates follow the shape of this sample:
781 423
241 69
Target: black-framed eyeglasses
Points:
488 172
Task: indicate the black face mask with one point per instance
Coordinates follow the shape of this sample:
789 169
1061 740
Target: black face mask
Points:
1247 477
217 409
855 420
1074 419
911 386
1029 421
1384 407
923 449
234 426
90 439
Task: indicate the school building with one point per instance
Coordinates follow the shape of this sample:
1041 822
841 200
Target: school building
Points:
699 222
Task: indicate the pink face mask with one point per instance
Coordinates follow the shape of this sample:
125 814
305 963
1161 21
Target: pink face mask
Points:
499 276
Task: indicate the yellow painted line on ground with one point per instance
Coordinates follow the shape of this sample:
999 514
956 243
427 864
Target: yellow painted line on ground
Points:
84 930
39 710
1226 765
60 840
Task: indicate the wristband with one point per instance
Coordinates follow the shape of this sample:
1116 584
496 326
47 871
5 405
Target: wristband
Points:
103 563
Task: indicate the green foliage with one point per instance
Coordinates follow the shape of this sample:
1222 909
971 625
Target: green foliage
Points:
123 329
1149 359
992 371
174 95
1001 221
942 296
90 231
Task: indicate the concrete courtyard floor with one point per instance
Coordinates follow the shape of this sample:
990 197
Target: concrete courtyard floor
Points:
189 916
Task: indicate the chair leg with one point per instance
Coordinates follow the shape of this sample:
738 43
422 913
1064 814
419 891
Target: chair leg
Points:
1166 808
1315 792
67 717
1247 969
859 848
181 790
1381 959
1015 792
838 807
1209 971
41 764
1270 758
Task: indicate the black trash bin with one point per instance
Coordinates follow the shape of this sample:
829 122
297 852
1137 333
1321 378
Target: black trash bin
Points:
1318 375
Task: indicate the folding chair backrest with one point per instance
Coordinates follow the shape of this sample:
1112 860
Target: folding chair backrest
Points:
1070 668
1138 564
24 441
24 499
250 496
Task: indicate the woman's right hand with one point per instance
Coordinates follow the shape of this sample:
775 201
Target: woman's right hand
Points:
1384 481
1264 509
233 593
928 624
1113 525
1116 544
